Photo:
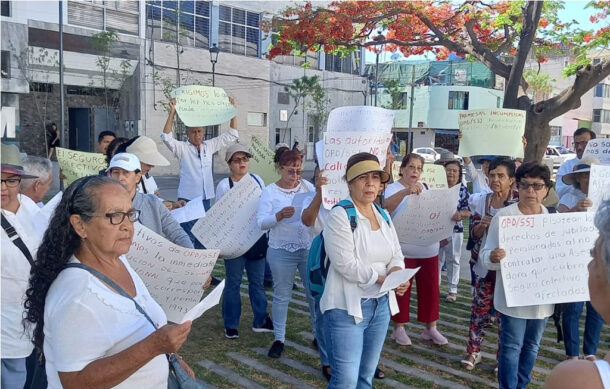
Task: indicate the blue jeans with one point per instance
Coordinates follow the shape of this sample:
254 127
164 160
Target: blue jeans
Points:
231 302
519 342
13 373
571 336
354 349
186 226
318 327
284 265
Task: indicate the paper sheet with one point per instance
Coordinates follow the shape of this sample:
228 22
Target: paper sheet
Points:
211 300
394 279
191 211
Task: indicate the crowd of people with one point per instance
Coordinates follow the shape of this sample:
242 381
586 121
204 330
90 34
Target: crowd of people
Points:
76 315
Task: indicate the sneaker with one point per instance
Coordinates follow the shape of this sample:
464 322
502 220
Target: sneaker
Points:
400 336
435 336
266 327
276 350
231 333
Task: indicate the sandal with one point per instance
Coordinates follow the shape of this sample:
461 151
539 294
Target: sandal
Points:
379 374
471 360
451 298
591 358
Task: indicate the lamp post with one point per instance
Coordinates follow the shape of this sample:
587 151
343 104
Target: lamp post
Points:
379 38
214 50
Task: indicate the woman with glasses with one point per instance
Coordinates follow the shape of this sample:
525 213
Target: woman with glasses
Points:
522 327
289 239
93 336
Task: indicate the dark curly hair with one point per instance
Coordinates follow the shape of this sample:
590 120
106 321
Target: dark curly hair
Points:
59 243
113 147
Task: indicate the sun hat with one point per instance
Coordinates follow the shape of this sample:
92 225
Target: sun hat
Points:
12 162
583 166
236 148
446 157
125 161
146 150
366 166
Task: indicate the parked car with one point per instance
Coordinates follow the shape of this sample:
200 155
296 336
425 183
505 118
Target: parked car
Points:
431 154
558 154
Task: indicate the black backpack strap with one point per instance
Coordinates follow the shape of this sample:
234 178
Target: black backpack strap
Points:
16 239
255 179
230 183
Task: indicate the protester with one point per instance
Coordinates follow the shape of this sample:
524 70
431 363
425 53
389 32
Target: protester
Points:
52 139
423 256
522 327
582 136
356 314
111 150
451 248
576 200
238 159
103 141
37 188
125 168
19 246
288 240
484 206
93 336
584 374
479 178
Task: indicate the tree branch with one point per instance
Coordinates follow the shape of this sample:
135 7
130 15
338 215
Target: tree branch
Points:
484 54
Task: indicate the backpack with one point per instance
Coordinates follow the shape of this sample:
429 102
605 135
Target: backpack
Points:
318 262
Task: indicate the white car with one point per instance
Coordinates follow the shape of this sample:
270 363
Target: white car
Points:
558 154
431 154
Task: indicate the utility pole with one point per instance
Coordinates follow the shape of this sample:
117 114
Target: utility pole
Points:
411 108
62 121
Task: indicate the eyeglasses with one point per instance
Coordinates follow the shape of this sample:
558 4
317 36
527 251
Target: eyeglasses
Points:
581 143
526 185
117 218
240 160
11 182
416 168
294 172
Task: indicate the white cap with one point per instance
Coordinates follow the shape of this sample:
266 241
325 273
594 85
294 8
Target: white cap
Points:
125 161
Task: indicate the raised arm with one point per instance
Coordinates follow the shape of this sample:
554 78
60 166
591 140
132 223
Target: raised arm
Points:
169 123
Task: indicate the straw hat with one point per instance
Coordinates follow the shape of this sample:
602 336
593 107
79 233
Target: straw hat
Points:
11 161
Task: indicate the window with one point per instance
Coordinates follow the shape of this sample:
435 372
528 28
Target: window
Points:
210 132
601 116
283 98
190 18
555 135
257 119
6 64
42 87
597 114
311 134
498 102
238 31
458 100
119 16
6 8
348 64
602 90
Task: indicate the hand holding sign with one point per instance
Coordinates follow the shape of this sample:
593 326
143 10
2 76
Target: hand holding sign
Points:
200 106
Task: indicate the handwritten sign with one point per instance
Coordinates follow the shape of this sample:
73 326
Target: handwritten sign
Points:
546 257
599 185
427 217
261 162
77 164
495 131
360 119
199 105
173 275
434 176
230 225
600 149
192 210
338 147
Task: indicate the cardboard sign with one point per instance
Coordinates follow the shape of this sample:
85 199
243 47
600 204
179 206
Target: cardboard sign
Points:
199 105
261 162
427 216
546 257
360 119
600 149
230 225
493 131
338 147
173 275
77 164
599 185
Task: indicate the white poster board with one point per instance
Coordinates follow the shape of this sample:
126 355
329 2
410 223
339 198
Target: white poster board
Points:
600 149
546 257
360 119
199 105
493 131
190 211
599 185
173 275
230 225
434 176
426 218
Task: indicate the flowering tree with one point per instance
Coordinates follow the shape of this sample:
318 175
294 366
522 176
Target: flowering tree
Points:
503 35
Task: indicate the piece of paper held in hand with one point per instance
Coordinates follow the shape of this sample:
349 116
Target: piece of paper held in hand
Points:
208 302
193 210
394 279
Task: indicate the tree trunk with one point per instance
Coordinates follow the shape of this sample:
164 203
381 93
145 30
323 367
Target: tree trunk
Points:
538 135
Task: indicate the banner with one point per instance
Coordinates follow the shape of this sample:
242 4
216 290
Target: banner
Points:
493 131
77 164
338 147
600 149
199 105
173 275
599 185
426 218
360 119
546 257
261 162
230 225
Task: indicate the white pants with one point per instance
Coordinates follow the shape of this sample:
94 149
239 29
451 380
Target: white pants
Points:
450 254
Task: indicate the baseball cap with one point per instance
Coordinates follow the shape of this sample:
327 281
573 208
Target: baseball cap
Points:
125 161
236 148
146 150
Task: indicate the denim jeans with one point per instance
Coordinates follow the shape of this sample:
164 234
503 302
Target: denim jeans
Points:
231 301
519 342
354 349
284 265
318 326
13 373
571 336
186 226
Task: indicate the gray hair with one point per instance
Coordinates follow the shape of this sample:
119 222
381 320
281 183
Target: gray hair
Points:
602 222
36 166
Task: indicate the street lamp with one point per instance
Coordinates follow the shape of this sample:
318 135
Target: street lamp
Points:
379 38
214 50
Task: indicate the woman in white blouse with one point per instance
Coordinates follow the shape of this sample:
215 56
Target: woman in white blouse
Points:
356 314
289 240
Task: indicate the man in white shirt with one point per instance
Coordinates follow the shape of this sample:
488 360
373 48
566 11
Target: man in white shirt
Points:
480 182
36 188
581 137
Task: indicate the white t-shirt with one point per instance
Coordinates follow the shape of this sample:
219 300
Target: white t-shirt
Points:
85 321
408 249
223 186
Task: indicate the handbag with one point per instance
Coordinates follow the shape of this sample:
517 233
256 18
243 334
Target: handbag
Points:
177 378
259 249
